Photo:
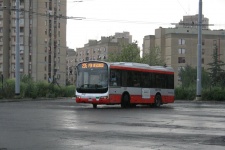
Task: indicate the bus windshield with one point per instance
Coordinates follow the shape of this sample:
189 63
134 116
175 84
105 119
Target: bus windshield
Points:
92 77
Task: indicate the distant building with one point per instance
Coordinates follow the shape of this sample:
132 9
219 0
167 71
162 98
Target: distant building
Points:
148 43
42 39
191 21
179 46
99 50
71 65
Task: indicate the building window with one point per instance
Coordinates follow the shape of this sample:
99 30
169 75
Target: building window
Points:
21 29
181 51
203 42
87 52
203 60
181 59
58 33
181 42
21 40
203 51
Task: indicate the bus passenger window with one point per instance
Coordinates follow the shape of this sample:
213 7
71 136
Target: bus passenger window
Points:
115 78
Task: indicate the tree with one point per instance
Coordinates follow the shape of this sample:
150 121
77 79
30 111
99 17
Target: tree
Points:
188 77
215 70
153 58
128 53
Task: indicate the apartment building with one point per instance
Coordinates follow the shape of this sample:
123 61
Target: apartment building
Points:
191 21
71 66
179 46
99 50
42 39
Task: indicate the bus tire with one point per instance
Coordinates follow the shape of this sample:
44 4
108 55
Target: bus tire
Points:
125 102
157 100
94 106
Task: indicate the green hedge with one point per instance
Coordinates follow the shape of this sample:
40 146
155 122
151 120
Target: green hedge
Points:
210 94
30 89
185 93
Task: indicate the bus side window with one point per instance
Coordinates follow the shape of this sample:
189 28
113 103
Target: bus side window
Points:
129 78
153 80
115 78
124 78
145 80
137 79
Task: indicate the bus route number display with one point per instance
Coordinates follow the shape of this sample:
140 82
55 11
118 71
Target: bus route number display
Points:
92 65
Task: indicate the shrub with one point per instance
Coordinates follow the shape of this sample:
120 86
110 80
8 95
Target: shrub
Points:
215 93
42 88
70 91
9 88
184 93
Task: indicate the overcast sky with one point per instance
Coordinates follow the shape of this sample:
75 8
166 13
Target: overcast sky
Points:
139 17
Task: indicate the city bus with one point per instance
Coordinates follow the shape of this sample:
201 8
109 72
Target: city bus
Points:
124 83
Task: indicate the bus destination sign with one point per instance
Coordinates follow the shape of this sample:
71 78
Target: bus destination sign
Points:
93 65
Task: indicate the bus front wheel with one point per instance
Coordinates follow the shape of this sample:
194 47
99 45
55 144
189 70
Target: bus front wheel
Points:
157 100
125 102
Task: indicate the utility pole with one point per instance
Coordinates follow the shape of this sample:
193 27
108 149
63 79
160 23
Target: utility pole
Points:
199 54
17 67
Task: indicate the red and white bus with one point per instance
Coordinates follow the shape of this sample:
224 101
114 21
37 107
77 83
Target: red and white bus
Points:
127 84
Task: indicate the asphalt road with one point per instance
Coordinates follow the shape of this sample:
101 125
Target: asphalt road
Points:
66 125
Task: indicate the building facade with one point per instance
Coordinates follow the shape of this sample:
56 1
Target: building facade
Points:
179 46
42 39
71 66
100 50
191 21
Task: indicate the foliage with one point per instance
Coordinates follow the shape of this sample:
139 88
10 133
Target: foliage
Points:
216 72
153 58
69 91
185 93
188 77
129 53
42 88
31 89
9 88
215 93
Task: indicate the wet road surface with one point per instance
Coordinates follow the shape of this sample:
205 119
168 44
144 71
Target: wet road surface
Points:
65 125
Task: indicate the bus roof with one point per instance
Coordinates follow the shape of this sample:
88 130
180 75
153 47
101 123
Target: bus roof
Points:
141 66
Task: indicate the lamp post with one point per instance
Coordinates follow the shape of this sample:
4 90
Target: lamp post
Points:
199 54
17 67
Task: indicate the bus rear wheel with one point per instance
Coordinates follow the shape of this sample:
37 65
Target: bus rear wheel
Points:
157 100
125 102
95 106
